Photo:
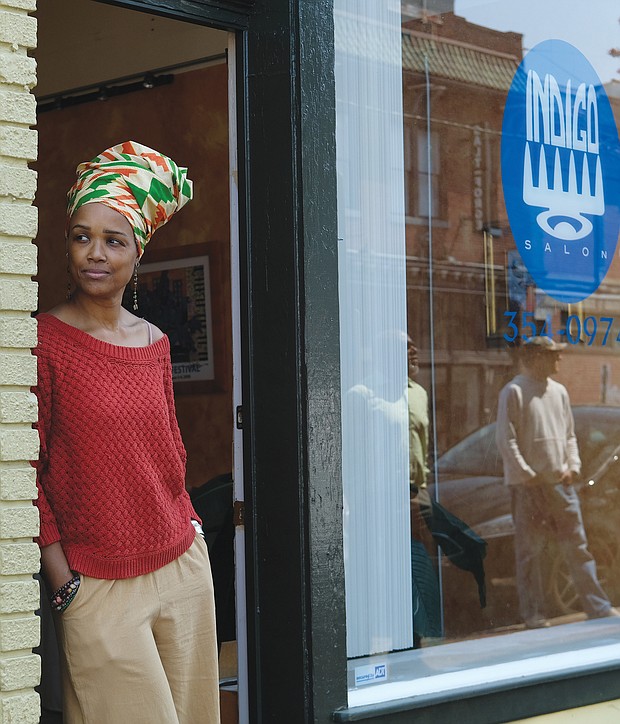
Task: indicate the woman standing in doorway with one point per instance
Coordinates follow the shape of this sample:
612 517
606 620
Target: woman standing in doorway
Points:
120 543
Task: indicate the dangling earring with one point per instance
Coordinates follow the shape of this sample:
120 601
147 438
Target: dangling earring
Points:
135 287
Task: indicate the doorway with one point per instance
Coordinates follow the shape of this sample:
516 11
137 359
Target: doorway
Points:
106 75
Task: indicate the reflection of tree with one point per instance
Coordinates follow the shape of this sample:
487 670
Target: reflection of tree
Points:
164 303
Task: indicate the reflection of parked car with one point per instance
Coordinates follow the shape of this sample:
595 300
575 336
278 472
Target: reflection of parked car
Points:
471 486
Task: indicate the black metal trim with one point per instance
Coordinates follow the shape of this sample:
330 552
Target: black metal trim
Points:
221 14
101 92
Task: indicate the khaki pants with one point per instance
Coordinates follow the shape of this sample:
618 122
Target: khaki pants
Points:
143 649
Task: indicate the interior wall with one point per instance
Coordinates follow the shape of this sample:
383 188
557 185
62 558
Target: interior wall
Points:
83 42
187 120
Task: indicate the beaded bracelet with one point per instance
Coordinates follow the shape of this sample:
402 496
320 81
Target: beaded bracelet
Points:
198 528
65 594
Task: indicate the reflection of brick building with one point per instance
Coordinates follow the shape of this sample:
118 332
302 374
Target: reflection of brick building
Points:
457 75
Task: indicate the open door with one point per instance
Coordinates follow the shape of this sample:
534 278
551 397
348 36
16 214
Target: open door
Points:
171 85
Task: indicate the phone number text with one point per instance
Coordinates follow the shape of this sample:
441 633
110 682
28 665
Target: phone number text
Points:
577 330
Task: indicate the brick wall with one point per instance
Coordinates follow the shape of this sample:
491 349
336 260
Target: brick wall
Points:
19 556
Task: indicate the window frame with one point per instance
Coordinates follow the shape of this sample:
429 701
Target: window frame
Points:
524 697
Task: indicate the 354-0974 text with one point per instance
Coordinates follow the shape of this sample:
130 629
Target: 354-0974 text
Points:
576 330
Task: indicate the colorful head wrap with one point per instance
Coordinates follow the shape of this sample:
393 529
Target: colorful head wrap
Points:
143 185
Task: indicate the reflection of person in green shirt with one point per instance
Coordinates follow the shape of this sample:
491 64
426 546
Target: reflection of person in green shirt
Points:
461 545
417 400
426 613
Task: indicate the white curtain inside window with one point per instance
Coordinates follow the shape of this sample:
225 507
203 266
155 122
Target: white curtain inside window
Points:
373 325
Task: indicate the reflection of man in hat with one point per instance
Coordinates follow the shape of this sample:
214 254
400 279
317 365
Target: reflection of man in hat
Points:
536 437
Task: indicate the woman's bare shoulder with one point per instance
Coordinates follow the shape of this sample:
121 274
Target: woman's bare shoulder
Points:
141 326
157 333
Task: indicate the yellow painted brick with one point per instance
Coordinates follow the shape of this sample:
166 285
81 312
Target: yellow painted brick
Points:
18 407
18 107
17 559
20 708
18 294
18 369
19 672
19 633
18 142
18 28
17 483
19 522
19 444
19 183
18 220
18 258
18 332
27 5
19 596
19 70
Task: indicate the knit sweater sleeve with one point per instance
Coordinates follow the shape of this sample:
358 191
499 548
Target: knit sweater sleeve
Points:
572 449
516 469
174 425
48 532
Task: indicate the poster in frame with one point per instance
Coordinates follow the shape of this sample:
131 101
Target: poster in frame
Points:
174 293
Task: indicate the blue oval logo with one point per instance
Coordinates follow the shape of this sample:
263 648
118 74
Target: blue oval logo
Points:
561 171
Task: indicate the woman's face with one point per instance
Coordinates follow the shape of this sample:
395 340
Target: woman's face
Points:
102 251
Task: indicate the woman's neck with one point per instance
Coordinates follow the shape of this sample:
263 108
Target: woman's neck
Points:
104 314
103 320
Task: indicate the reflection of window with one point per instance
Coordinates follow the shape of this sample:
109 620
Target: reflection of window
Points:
422 183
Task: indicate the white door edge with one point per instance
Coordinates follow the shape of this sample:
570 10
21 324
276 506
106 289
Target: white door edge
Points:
238 495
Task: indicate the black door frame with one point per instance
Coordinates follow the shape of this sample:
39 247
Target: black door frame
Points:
296 611
290 349
231 15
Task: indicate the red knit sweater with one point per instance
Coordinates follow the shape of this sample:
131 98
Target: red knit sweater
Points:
111 471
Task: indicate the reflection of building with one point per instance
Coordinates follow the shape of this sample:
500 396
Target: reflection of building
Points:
456 76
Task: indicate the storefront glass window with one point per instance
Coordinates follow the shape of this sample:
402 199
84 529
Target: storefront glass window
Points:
479 210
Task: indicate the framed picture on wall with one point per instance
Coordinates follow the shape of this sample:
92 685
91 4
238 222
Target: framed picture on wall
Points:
174 293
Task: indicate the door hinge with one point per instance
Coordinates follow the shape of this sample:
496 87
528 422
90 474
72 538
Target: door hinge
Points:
239 417
239 513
